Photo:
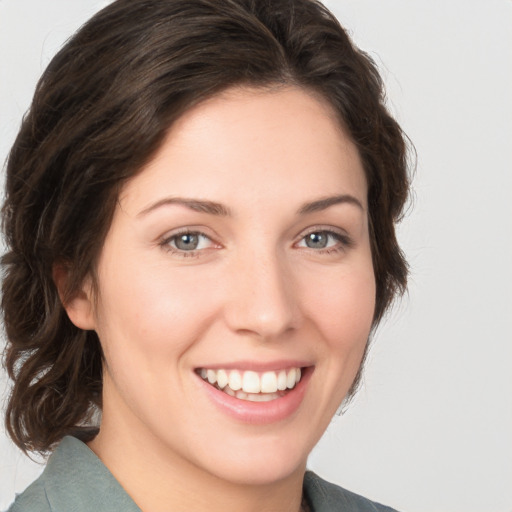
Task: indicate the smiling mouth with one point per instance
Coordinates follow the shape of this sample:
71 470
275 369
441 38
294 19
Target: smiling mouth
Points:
250 385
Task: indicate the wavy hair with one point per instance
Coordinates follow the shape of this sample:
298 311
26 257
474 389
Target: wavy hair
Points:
100 112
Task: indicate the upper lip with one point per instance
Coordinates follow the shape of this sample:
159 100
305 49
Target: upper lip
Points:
257 366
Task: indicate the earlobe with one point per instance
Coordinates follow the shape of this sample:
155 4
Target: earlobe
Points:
79 306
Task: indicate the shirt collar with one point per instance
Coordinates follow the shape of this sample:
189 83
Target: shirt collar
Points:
76 479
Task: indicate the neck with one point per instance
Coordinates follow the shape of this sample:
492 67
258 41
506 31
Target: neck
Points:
158 480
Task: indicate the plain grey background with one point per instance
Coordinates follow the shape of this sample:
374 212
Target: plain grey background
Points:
431 429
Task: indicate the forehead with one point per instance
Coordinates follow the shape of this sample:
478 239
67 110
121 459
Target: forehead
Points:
253 145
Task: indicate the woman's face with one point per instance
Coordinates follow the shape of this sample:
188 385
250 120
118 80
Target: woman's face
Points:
239 255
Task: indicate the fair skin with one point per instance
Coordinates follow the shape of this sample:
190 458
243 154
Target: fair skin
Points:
224 255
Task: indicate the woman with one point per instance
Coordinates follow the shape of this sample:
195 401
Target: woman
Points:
200 211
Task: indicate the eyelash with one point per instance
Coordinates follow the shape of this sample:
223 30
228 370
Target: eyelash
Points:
344 242
166 243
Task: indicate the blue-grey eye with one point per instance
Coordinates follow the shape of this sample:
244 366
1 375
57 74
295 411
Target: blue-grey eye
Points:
187 241
317 240
324 239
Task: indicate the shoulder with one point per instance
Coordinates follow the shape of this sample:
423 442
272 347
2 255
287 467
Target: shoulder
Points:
326 497
74 479
32 499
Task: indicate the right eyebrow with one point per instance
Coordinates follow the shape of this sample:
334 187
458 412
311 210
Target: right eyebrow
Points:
197 205
327 202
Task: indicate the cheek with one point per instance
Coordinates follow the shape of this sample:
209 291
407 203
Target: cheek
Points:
342 311
343 306
151 312
149 320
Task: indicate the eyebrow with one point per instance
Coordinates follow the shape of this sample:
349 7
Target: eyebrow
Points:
196 205
213 208
326 202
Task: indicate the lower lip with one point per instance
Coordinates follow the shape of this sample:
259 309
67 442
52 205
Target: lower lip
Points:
260 413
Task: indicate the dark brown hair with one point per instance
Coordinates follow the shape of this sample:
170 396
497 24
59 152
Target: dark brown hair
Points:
101 110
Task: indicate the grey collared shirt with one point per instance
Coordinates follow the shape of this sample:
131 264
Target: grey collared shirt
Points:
75 480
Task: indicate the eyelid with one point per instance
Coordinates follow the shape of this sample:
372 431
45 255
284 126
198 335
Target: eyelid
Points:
188 229
317 228
340 234
164 241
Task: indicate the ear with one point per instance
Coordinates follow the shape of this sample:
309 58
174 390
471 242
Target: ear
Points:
79 307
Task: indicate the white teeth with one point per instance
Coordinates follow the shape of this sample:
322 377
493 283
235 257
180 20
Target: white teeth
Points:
269 382
235 380
251 382
250 385
281 380
267 397
222 379
290 378
229 391
260 397
212 376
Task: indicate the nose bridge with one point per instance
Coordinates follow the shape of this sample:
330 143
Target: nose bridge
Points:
262 299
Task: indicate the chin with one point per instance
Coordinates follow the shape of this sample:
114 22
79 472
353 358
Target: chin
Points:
257 462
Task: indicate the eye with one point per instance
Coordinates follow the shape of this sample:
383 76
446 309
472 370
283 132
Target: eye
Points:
324 239
318 240
187 241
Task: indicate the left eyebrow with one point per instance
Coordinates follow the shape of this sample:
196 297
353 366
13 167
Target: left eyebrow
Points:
196 205
327 202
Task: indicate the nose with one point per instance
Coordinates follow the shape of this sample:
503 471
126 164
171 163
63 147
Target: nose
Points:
261 297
